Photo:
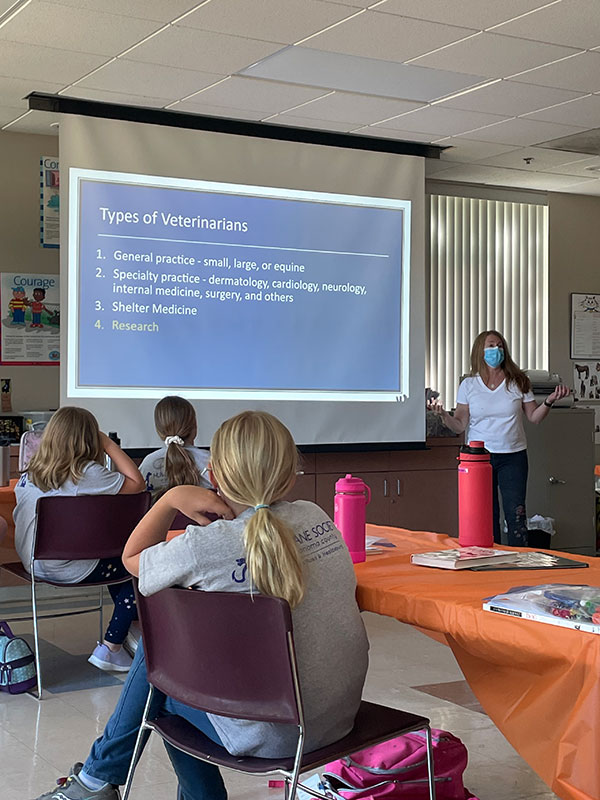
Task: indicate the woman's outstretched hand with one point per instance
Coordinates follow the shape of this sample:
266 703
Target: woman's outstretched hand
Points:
560 392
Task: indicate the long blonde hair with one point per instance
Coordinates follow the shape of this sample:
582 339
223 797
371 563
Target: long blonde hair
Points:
511 370
69 442
254 460
174 416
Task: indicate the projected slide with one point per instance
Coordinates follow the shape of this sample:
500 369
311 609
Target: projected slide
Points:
229 291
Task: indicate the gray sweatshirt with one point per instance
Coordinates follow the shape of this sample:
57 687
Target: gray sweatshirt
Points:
330 639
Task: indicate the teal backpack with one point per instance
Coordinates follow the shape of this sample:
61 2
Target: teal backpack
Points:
17 663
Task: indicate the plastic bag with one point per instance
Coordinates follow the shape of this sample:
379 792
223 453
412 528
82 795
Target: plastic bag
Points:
537 522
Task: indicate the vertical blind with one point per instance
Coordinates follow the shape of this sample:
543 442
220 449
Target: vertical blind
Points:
488 269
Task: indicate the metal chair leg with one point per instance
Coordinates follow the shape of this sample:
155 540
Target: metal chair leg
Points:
100 610
139 745
36 641
430 767
286 789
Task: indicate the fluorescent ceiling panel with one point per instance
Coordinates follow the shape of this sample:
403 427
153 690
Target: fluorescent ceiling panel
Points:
493 56
384 36
365 75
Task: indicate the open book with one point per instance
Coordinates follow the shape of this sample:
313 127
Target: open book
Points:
463 557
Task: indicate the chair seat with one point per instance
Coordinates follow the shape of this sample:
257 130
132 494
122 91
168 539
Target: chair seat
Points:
373 724
16 568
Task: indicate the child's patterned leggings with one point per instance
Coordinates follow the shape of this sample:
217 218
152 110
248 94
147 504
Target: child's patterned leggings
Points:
122 594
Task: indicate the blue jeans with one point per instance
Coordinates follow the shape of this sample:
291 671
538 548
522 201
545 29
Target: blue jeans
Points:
509 474
111 754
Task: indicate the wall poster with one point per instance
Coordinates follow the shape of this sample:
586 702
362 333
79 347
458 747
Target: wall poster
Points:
586 380
49 201
30 319
585 326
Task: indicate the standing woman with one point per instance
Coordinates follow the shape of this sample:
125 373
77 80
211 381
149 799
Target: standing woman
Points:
491 403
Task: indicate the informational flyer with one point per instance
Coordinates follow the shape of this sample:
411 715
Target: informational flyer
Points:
30 323
585 326
49 201
586 380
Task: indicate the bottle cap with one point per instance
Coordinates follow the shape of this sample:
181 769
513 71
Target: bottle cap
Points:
350 484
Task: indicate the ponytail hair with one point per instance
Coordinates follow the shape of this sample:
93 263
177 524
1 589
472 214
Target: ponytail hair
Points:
254 462
175 421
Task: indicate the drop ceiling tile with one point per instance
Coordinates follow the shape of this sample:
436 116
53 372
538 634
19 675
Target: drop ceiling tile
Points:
316 124
285 21
189 48
356 4
584 111
358 107
468 150
5 5
510 98
85 93
354 74
253 94
541 159
478 14
542 181
586 168
494 176
493 56
385 36
575 23
37 122
524 132
403 136
148 80
83 31
588 188
8 113
191 107
434 166
580 73
32 62
444 121
13 90
157 10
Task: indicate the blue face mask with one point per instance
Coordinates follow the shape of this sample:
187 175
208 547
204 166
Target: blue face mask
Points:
493 356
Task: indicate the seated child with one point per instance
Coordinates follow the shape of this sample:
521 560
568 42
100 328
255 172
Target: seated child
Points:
262 538
70 461
178 462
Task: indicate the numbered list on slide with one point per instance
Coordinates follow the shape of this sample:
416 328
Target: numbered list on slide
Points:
189 288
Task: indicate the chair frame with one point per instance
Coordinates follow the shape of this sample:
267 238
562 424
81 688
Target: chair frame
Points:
291 777
35 617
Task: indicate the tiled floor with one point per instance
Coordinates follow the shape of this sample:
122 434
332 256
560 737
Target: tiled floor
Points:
39 742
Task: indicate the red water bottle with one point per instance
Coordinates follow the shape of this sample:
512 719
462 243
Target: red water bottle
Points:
352 496
475 506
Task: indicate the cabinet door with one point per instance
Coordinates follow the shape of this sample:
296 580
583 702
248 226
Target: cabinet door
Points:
303 489
378 510
425 500
561 477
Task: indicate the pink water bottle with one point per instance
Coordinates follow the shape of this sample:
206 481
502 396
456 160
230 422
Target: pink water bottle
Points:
475 506
352 496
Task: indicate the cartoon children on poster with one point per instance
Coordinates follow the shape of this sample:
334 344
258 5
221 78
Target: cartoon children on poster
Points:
17 306
37 306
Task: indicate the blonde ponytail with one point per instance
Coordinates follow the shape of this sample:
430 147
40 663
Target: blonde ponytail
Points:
254 461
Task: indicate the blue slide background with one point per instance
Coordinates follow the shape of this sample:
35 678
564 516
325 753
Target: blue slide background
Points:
323 341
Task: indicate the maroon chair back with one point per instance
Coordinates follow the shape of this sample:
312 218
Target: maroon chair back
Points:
225 653
87 526
181 522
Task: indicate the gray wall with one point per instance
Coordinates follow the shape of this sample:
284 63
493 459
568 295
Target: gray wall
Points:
574 266
33 388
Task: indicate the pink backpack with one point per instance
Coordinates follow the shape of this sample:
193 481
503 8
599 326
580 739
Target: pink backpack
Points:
398 769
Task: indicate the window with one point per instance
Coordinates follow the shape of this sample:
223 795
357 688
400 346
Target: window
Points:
488 268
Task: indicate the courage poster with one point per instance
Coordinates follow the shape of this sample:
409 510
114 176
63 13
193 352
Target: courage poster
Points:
30 319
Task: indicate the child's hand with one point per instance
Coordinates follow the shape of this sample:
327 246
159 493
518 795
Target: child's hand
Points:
195 502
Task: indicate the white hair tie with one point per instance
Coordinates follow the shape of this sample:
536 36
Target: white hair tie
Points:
173 440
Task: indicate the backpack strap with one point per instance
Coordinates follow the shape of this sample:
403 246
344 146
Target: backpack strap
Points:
4 627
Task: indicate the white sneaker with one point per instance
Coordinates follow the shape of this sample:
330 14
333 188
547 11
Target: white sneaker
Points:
104 658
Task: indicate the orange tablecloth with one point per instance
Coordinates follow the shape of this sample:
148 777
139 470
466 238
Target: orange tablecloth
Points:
7 505
538 683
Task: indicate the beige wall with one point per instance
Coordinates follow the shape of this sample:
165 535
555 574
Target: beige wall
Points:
33 388
574 266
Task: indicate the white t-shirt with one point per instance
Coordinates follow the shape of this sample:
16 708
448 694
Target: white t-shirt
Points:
96 479
331 643
153 468
495 415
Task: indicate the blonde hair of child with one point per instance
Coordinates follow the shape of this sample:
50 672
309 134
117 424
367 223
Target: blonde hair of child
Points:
175 416
70 441
254 462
